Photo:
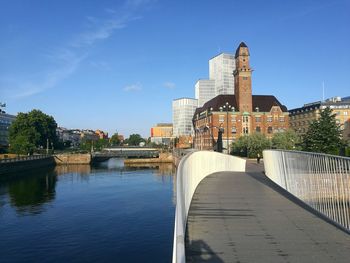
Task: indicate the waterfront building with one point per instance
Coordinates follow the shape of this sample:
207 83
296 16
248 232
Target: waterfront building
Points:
101 134
301 118
238 114
204 91
5 122
88 135
221 68
67 135
183 110
162 133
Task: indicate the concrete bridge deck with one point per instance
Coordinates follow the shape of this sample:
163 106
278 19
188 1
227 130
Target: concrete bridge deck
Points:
243 217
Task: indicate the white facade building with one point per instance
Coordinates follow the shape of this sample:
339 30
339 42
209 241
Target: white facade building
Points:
204 91
183 111
221 70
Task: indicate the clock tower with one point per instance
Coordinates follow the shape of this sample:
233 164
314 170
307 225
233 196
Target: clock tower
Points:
243 79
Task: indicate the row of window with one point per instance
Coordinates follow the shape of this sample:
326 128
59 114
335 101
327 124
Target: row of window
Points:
246 119
258 129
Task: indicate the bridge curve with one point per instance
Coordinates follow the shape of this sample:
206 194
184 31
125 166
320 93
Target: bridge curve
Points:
192 169
245 217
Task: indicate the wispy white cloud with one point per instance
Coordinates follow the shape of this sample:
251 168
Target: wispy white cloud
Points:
64 61
169 85
133 87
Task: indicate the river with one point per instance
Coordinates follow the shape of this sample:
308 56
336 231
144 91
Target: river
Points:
106 213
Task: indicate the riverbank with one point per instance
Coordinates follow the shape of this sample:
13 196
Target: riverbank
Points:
76 158
25 164
163 158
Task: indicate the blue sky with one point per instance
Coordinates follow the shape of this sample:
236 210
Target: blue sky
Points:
117 65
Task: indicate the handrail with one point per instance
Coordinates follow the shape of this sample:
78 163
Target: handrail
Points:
24 158
193 168
319 180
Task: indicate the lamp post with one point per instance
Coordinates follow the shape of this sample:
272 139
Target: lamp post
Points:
228 108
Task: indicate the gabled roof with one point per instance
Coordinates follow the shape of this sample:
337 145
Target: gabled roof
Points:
266 102
263 102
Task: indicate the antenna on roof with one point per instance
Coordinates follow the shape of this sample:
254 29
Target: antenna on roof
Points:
322 90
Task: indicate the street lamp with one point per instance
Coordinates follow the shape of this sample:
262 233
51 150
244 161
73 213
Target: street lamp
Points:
228 108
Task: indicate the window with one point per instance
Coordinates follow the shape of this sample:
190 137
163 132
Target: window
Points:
345 113
245 78
257 119
269 129
233 130
233 118
221 118
245 130
245 118
258 129
269 119
282 119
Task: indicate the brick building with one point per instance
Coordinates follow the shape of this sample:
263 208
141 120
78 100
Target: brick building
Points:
301 118
239 114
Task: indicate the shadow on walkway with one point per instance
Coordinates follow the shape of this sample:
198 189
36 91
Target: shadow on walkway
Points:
199 251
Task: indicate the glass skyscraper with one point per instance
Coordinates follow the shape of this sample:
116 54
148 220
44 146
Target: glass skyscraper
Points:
183 111
221 69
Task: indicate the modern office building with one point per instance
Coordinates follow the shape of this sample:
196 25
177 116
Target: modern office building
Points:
238 114
5 122
204 91
162 133
183 110
301 118
221 68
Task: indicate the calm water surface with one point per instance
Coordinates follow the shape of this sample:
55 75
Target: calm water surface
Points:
108 213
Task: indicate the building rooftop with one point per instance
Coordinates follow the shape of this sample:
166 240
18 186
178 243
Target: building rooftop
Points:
242 44
263 102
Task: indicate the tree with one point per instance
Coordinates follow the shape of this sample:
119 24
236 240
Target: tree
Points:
135 139
251 145
114 140
287 140
323 135
33 129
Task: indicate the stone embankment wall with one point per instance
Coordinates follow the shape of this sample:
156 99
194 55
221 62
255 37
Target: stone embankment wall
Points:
163 158
72 159
24 165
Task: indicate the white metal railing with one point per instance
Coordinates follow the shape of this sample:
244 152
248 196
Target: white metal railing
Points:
23 158
193 168
321 181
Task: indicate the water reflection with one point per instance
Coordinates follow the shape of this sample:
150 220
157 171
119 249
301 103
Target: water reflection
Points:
73 168
29 192
32 191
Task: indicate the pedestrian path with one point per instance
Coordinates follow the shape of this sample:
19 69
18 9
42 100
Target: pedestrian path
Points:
243 217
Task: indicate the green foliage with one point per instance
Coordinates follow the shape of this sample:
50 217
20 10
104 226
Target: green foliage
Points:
98 145
32 129
347 151
287 140
251 145
22 145
323 135
114 140
134 140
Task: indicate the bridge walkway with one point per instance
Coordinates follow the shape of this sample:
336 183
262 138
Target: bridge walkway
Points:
243 217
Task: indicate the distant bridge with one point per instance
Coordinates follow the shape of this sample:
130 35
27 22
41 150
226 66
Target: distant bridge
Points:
227 211
125 152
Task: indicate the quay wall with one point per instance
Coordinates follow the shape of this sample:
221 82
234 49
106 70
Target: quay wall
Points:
63 159
25 164
163 158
